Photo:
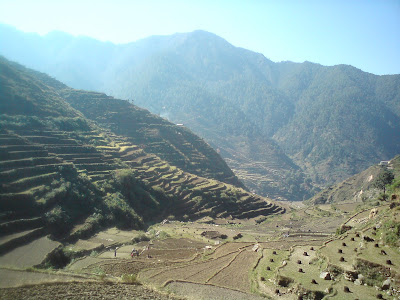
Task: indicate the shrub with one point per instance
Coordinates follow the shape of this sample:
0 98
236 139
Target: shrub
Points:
392 232
342 229
140 238
130 279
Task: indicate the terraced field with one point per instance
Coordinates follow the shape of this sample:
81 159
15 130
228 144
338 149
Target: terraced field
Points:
83 290
35 163
195 267
173 144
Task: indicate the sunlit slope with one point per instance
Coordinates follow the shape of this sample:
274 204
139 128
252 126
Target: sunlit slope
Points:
358 188
175 144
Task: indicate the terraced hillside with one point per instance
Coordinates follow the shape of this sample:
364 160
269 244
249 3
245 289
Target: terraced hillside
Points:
67 176
175 144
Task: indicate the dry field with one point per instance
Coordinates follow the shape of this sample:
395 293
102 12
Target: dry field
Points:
199 268
83 290
28 255
236 274
195 291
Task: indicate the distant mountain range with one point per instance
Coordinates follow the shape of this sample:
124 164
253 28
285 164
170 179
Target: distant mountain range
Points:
284 128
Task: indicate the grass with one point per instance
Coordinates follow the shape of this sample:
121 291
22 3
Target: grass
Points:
309 265
356 291
265 262
333 256
130 279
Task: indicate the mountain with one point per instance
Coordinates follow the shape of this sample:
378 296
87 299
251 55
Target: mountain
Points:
71 172
284 128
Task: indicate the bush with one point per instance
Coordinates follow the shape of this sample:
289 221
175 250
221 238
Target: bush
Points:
342 229
57 217
130 279
392 232
140 238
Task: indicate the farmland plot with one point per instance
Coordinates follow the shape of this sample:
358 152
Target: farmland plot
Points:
236 274
228 248
199 271
209 292
30 254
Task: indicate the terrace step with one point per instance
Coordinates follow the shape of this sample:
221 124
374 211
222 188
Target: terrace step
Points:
29 182
20 225
28 162
51 140
14 155
11 140
20 173
96 167
90 160
7 148
10 242
68 156
68 149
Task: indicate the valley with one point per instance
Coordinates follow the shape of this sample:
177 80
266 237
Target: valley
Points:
102 199
222 258
287 129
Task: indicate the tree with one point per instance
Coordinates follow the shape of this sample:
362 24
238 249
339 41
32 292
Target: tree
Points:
386 177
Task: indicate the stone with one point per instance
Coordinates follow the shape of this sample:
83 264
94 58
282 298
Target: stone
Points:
386 284
325 276
358 282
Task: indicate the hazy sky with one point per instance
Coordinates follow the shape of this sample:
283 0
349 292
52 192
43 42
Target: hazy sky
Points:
362 33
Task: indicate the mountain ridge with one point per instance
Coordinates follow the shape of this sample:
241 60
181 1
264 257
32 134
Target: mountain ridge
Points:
308 114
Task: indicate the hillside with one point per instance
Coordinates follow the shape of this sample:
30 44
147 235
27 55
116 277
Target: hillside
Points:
66 175
359 188
175 144
284 128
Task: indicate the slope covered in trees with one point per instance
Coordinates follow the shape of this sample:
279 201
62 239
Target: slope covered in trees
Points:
284 128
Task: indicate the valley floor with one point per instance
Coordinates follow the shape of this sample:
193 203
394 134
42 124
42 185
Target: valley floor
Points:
283 257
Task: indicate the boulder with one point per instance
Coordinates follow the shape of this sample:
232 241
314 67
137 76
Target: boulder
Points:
359 280
373 213
325 276
386 284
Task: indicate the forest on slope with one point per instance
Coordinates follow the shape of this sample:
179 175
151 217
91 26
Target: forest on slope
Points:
284 128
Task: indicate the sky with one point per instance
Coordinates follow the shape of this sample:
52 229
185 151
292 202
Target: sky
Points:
361 33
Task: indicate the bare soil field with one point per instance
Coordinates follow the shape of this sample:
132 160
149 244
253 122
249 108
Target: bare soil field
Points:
83 290
201 271
29 255
195 291
236 274
118 268
82 263
224 249
15 278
